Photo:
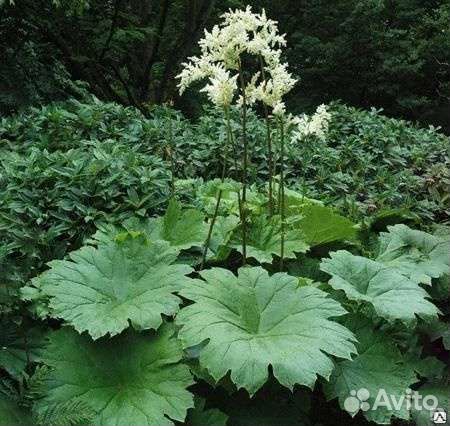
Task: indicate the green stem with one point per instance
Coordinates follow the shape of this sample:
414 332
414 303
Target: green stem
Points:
282 204
169 147
172 171
244 167
269 142
219 195
27 349
232 142
210 230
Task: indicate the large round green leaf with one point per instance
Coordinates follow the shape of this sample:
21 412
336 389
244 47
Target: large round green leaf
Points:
379 367
418 255
255 320
131 379
393 295
101 290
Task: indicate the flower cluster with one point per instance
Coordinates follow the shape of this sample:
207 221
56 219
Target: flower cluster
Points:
271 90
316 125
241 32
221 87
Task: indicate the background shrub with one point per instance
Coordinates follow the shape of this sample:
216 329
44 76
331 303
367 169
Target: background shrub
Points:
370 162
50 201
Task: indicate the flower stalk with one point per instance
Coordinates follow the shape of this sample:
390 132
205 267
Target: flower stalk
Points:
210 230
268 141
232 143
281 193
240 33
170 146
219 195
244 166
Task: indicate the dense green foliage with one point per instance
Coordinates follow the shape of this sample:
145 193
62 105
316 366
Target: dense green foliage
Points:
367 164
53 194
69 168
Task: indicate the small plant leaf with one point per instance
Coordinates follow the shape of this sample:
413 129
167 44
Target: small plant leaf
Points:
182 229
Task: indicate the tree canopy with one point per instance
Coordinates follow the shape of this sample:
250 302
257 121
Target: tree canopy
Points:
129 51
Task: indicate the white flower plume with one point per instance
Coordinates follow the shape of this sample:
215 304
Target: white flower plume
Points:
241 32
221 87
316 125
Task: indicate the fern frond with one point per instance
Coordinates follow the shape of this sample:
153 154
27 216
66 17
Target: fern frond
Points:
8 389
70 413
34 385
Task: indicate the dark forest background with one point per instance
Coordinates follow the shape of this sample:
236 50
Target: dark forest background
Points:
390 54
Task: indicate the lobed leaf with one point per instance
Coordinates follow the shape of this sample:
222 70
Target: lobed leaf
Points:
255 320
321 225
393 295
182 229
418 255
131 379
103 290
378 367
